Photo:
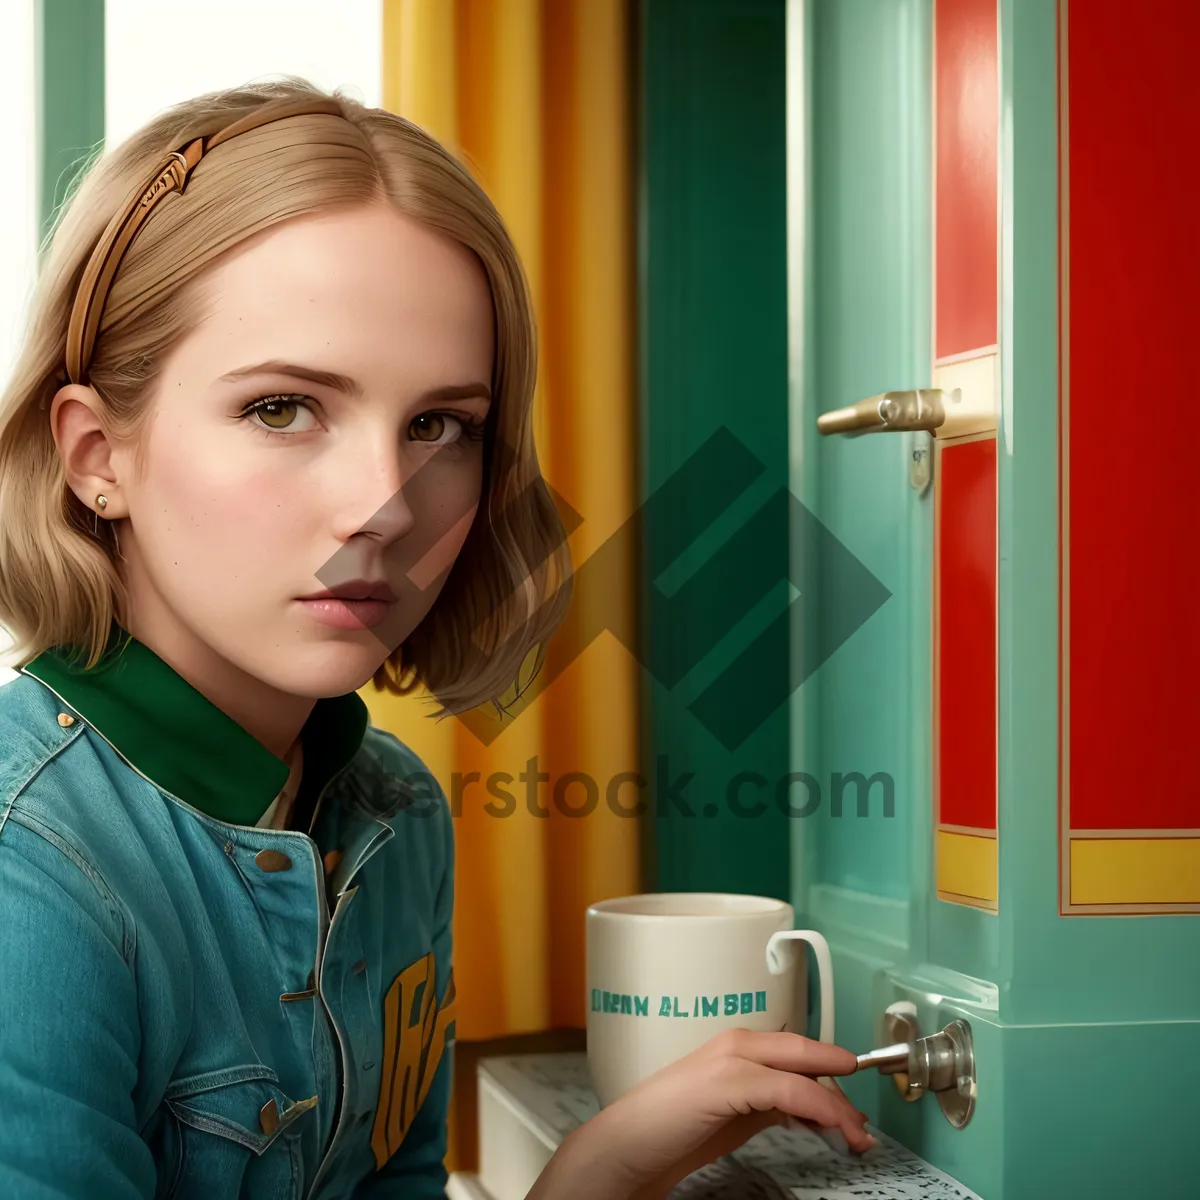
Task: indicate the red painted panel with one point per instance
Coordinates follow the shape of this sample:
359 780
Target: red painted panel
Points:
967 127
966 600
1134 261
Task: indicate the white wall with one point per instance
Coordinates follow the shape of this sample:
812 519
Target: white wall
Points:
158 52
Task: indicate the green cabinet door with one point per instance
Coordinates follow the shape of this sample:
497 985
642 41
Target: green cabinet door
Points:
860 323
926 144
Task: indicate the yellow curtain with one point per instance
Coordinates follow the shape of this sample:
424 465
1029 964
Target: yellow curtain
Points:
534 95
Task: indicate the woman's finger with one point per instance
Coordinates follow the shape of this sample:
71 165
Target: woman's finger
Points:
784 1051
798 1095
837 1086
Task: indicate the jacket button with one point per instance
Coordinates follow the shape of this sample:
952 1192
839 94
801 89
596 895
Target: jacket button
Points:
272 860
268 1117
65 720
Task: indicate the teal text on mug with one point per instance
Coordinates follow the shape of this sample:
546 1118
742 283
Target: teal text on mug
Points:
667 971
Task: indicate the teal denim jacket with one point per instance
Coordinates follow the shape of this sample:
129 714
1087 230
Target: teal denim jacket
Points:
180 1015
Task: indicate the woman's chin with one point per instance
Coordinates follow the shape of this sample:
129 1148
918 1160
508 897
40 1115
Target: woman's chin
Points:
331 667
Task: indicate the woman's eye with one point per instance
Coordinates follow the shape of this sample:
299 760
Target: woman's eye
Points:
279 414
431 428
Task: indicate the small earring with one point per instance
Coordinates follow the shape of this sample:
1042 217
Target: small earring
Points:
102 502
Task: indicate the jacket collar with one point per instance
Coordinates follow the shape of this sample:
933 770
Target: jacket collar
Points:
179 740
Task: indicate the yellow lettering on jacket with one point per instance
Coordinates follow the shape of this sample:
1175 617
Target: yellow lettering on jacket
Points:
414 1037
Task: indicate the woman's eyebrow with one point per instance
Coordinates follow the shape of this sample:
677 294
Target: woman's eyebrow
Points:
351 387
275 366
456 391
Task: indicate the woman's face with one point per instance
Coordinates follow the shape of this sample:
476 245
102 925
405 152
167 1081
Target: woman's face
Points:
320 430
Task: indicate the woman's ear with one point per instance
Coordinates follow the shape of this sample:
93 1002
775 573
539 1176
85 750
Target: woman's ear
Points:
85 449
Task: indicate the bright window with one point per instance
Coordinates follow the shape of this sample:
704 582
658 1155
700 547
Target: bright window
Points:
18 196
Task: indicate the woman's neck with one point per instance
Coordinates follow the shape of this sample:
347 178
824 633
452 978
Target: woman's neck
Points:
271 716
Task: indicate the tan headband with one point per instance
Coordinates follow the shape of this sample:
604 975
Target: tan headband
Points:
170 175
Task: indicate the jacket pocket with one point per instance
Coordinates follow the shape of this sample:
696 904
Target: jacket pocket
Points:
233 1133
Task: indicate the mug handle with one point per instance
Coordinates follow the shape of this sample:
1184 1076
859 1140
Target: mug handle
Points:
779 961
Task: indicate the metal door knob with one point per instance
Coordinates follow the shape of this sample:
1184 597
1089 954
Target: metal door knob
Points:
942 1063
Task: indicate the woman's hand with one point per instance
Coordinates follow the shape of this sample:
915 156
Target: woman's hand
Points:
698 1108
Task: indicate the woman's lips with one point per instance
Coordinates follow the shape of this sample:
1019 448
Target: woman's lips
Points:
347 614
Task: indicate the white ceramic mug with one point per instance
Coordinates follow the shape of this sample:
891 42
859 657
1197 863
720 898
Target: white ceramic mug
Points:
668 971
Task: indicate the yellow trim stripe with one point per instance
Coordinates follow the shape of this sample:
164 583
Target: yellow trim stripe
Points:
1135 870
967 865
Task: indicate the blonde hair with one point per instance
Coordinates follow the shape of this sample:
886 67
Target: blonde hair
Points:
509 589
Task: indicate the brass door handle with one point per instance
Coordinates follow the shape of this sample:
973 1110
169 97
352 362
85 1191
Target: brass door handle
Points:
890 412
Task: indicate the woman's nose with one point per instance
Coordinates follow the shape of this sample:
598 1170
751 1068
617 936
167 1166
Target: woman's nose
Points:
377 493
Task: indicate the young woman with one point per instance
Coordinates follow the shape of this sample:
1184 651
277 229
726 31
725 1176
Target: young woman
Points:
269 439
